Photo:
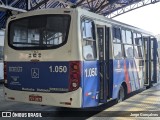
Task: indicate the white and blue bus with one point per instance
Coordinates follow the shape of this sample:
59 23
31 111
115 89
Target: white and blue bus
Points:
75 58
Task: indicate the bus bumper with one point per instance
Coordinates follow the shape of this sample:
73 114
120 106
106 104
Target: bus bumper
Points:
70 99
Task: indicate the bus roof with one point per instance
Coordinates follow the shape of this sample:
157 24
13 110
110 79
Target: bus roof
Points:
111 21
83 12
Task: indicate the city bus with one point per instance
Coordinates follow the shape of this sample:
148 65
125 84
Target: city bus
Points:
75 58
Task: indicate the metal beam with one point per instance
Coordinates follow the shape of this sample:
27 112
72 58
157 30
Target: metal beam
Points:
130 7
109 8
10 7
4 8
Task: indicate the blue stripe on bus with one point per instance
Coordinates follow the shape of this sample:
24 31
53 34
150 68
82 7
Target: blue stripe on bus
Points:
38 76
20 77
120 71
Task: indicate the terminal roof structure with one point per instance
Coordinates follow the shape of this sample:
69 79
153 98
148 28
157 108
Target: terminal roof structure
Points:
109 8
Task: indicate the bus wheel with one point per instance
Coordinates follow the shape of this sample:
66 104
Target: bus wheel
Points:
121 95
148 86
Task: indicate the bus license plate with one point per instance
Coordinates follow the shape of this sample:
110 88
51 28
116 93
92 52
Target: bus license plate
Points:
35 98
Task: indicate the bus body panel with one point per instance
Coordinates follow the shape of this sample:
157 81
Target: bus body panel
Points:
91 82
133 75
125 71
118 76
38 76
139 63
52 65
54 99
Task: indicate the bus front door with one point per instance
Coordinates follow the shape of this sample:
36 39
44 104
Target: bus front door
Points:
103 46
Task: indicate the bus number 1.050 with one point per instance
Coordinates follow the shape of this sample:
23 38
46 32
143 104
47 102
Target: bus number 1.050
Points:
61 69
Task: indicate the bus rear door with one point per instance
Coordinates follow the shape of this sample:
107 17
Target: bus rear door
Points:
150 49
103 45
154 60
147 61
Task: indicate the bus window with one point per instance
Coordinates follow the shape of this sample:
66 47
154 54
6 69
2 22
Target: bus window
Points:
138 53
129 37
117 51
89 42
128 51
124 36
87 29
37 32
138 39
135 39
88 52
116 35
152 49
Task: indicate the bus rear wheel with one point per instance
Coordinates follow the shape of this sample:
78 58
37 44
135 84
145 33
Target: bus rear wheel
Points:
121 94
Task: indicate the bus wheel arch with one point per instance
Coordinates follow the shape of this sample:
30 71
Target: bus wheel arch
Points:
122 92
125 89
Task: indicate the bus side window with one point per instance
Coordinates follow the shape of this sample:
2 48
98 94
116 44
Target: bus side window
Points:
116 35
117 47
87 29
89 42
117 51
128 51
128 44
138 52
124 36
129 37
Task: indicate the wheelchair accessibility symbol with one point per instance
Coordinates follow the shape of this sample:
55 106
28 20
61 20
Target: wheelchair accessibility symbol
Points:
35 72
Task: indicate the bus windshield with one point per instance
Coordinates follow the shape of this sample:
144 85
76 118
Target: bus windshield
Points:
39 32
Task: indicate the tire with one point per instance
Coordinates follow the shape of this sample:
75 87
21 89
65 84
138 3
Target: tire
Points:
121 94
149 86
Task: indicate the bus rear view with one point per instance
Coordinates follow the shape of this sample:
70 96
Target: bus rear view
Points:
75 58
39 66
